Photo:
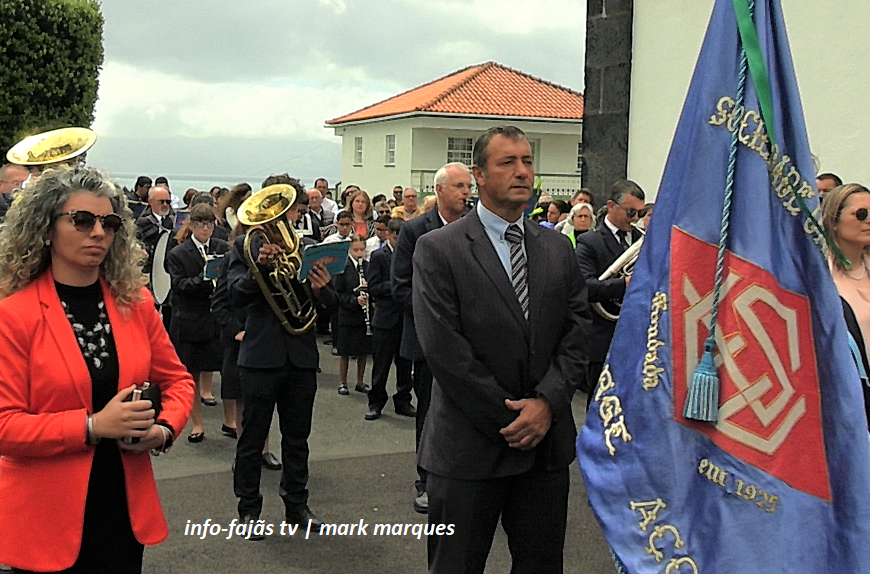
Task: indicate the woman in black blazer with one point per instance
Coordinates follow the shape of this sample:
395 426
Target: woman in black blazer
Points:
193 329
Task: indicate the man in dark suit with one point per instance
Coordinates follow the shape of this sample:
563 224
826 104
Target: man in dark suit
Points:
596 251
157 220
453 188
275 368
501 313
387 333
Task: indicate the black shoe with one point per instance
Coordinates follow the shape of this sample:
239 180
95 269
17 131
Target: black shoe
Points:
302 516
247 520
270 462
362 388
373 414
328 342
195 437
406 411
229 431
212 402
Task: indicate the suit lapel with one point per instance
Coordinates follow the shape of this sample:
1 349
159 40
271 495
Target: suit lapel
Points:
485 255
610 241
433 221
61 331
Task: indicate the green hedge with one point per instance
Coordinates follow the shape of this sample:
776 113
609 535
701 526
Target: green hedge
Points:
51 52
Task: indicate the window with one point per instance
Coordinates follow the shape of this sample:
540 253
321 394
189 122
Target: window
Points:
579 156
459 149
390 145
357 151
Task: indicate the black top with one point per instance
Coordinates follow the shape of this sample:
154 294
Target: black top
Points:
107 536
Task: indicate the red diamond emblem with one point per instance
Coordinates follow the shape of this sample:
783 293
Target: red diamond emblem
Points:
769 407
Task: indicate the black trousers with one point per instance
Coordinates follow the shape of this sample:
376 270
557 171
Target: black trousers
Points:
423 389
292 390
385 352
533 508
592 373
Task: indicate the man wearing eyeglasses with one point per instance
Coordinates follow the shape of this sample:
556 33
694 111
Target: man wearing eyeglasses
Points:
317 209
596 251
409 209
156 219
12 177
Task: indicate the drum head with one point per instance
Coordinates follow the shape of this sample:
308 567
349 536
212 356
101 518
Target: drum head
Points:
161 283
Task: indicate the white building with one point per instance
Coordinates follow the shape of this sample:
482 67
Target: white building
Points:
830 48
405 139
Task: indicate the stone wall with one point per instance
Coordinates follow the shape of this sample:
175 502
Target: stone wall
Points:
607 91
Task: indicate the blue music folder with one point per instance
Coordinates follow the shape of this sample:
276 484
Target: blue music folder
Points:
333 256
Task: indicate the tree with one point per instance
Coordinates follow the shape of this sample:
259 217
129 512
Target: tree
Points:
51 52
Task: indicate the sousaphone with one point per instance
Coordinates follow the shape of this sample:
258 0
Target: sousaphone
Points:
52 147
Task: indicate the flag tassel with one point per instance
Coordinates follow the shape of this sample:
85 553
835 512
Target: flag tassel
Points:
702 400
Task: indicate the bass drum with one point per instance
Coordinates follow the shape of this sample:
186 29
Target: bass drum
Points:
161 283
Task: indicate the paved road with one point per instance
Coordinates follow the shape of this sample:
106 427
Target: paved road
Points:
360 470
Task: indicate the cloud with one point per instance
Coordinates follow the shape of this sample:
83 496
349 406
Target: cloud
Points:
165 105
235 87
398 42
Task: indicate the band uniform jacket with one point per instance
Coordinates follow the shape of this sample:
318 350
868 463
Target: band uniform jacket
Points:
482 350
596 251
350 312
149 230
401 274
45 396
267 345
192 319
388 314
230 320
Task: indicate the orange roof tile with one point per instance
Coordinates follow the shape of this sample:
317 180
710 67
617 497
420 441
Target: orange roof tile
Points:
485 89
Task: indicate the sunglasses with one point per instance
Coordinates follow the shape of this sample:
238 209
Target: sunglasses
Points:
631 213
84 221
861 214
165 201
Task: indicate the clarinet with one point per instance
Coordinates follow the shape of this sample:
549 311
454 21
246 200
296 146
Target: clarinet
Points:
363 290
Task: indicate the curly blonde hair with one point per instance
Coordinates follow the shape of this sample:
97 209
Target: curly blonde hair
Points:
24 256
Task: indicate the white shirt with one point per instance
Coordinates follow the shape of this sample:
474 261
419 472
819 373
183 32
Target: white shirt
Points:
335 238
373 243
329 205
617 233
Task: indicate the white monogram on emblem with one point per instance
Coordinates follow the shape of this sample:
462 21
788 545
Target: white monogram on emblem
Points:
749 393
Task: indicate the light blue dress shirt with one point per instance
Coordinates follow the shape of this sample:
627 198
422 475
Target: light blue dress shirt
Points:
495 227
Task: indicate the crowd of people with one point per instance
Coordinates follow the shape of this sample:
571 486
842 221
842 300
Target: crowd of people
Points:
158 292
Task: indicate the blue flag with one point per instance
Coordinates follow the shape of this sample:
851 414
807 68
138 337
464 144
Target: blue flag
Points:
779 481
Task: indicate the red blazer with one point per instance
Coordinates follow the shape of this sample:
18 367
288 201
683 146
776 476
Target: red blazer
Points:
45 396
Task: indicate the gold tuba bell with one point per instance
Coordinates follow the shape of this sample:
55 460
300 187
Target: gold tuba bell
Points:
289 298
64 145
622 267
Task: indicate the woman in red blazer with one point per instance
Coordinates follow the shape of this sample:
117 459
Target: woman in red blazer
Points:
78 332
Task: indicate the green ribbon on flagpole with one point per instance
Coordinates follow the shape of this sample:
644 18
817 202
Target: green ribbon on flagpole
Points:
758 71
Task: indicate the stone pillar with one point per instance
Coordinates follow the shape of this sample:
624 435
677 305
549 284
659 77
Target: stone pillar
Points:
607 93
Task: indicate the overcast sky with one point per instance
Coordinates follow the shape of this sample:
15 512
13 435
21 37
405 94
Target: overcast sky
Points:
242 88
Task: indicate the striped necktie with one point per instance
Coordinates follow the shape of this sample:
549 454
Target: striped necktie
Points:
519 271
